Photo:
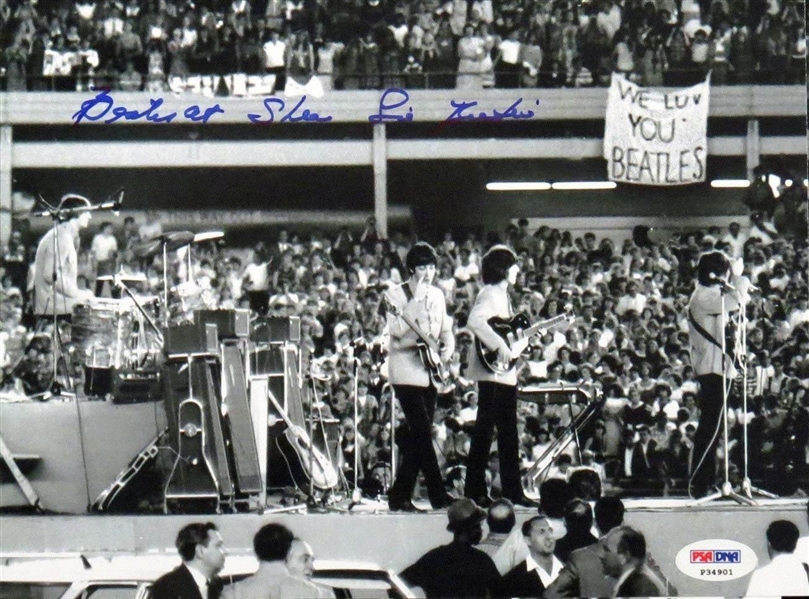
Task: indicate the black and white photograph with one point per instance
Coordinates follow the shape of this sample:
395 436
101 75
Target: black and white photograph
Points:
403 298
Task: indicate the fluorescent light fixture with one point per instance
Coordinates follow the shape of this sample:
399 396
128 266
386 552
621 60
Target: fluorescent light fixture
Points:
730 183
584 185
518 186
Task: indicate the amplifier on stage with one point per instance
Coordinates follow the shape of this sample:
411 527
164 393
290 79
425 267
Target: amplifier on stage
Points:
135 386
277 329
230 323
186 339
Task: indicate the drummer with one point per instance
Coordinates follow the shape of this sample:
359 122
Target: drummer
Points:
56 263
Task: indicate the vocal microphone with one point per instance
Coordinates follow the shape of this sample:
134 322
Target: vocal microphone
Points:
727 285
722 282
62 213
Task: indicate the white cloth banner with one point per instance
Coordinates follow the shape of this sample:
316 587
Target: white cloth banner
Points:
656 136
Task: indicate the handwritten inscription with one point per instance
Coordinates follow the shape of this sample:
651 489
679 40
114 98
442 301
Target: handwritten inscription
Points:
272 105
98 108
394 107
464 112
393 100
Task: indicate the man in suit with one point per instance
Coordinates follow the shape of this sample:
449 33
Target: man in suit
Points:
203 552
56 264
578 521
421 302
583 574
536 572
497 392
284 562
624 558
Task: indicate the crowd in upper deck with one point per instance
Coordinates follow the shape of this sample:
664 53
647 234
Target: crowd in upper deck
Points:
259 47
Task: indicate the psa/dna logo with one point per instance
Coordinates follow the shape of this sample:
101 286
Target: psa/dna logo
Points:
716 560
716 556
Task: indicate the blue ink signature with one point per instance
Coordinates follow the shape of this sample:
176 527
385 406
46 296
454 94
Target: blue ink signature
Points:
401 98
460 114
306 115
96 109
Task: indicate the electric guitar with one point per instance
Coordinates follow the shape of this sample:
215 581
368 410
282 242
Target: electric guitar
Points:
429 352
517 332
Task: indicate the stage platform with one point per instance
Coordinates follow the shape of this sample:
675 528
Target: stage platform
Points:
370 533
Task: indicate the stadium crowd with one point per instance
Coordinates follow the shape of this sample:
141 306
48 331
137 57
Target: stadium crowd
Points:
628 343
242 47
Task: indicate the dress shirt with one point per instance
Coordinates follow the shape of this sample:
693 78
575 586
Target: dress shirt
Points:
199 578
784 575
546 577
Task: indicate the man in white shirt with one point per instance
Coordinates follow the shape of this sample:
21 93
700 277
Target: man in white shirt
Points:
540 568
735 240
631 300
785 574
802 548
275 58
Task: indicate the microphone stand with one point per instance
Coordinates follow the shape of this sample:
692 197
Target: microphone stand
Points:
747 488
726 491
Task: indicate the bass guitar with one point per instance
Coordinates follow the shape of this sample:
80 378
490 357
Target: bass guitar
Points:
517 332
428 349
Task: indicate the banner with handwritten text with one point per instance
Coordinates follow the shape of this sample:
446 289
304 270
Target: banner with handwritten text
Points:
656 136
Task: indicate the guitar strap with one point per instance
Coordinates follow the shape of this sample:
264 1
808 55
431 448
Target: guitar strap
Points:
408 293
706 334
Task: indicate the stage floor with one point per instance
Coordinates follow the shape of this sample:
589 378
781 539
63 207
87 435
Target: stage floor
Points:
394 540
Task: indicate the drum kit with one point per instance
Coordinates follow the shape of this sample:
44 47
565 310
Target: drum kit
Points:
127 333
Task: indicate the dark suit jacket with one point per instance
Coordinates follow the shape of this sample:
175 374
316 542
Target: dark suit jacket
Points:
179 584
582 576
642 583
519 582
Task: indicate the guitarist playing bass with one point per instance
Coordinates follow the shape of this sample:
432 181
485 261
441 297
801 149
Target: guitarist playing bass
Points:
497 390
420 302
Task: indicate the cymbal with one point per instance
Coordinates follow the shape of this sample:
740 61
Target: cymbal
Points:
126 277
208 236
173 240
147 248
176 239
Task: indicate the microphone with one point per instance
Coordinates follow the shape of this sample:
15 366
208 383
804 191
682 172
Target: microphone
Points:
722 282
726 285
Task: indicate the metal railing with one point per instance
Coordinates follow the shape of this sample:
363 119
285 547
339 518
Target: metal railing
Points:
674 77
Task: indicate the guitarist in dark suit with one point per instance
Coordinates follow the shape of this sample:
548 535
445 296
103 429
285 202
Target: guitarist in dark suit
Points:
497 392
424 305
203 552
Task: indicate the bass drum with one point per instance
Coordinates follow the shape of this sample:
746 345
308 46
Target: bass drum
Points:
94 334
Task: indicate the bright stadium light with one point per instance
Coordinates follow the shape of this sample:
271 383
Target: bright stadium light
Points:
584 185
730 183
518 186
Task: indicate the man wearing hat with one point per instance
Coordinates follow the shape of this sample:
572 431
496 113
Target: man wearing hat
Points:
457 569
56 263
424 305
